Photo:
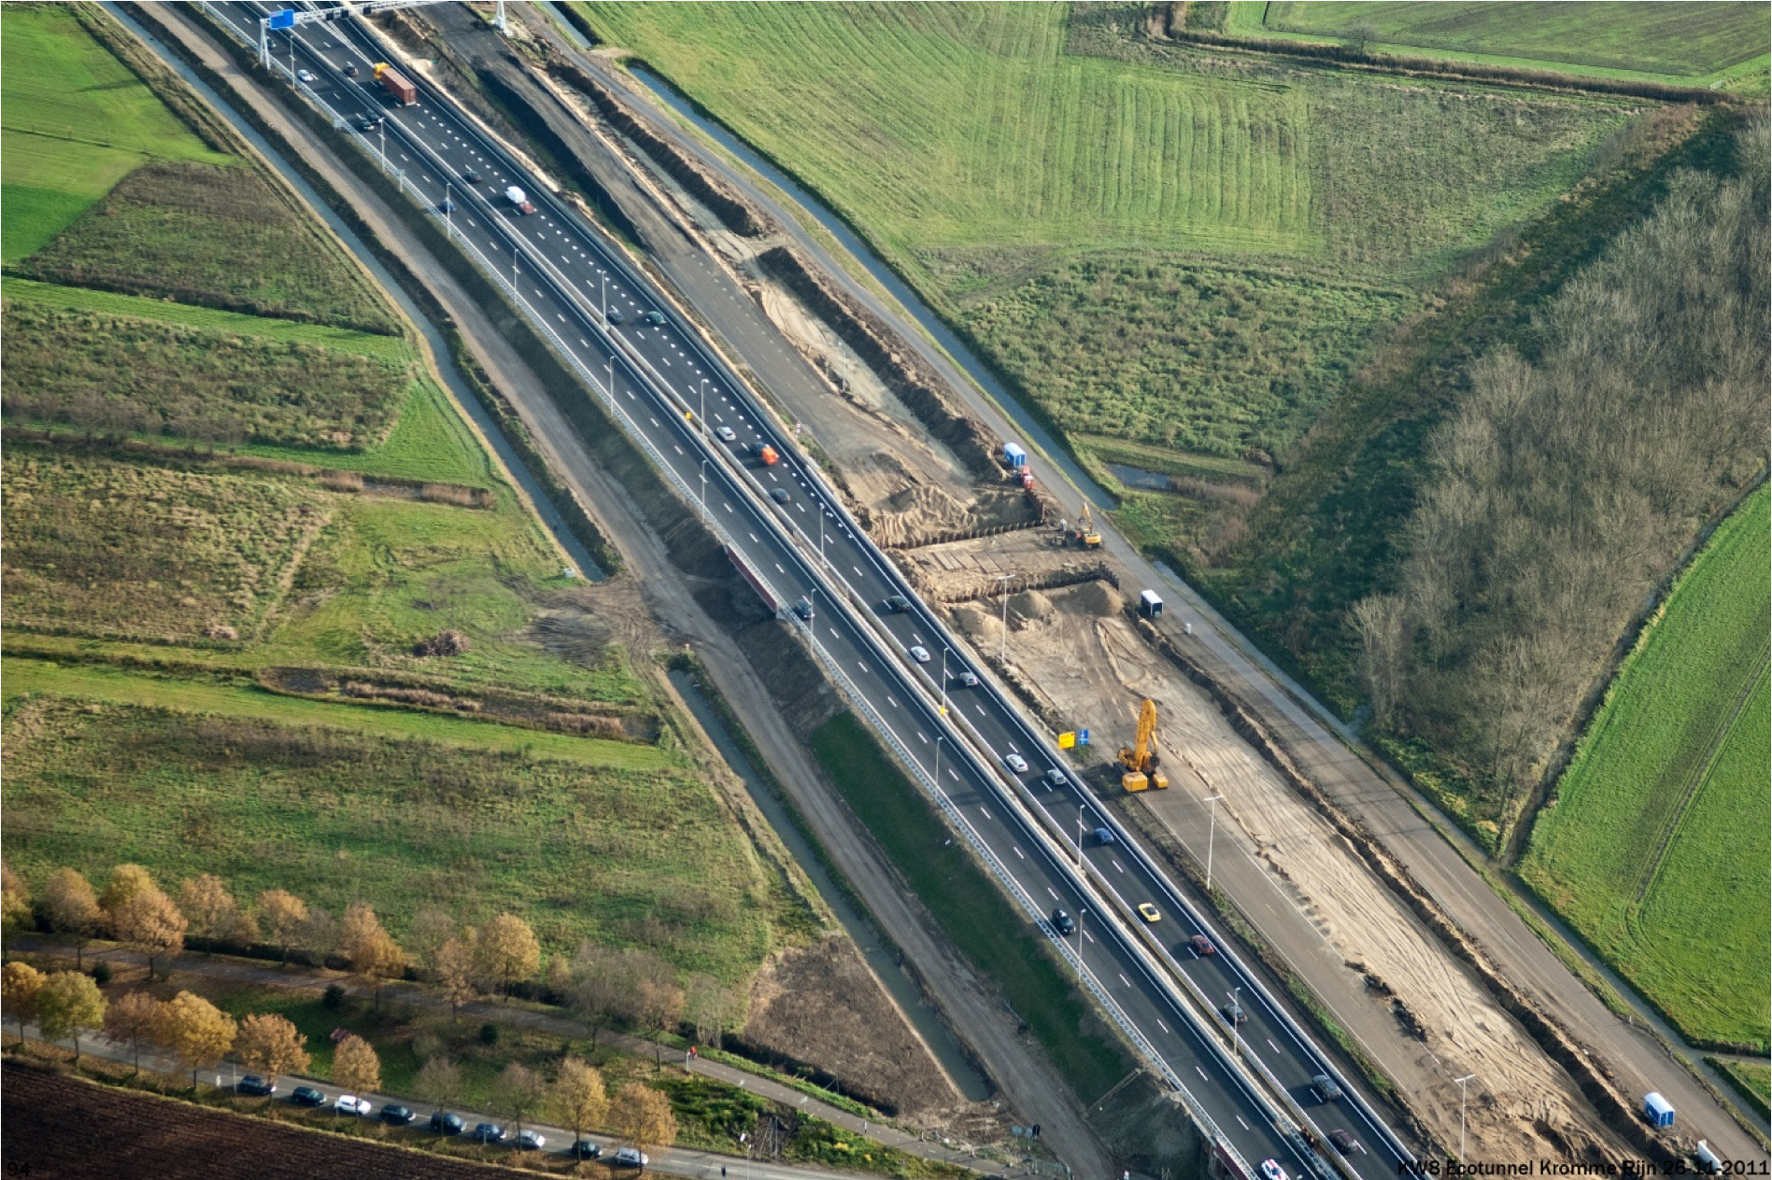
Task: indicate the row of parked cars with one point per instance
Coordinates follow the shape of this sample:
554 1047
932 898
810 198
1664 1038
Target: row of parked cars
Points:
442 1122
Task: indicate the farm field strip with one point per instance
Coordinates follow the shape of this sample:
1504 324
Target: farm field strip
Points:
95 682
1656 42
111 303
1645 853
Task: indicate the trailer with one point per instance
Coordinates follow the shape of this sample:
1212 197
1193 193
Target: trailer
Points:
396 84
1149 605
1658 1111
1014 456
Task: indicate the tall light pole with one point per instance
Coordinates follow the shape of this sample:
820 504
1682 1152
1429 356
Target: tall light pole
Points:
1461 1097
944 651
938 740
1082 912
704 412
1080 835
1237 1025
1211 832
704 485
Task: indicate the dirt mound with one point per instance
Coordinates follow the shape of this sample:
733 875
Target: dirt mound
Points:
1093 598
820 1004
1029 607
975 623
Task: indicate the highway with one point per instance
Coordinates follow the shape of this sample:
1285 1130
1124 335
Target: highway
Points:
798 541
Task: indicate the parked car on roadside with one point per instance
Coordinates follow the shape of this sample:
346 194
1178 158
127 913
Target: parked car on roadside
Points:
351 1104
628 1157
307 1096
584 1149
489 1133
531 1141
396 1115
254 1086
445 1123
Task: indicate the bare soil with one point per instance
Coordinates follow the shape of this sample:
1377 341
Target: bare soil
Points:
1286 867
821 1003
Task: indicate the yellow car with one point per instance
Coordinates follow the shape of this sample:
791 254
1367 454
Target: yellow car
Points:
1148 912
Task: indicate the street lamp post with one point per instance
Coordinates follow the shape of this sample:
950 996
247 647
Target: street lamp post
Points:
1211 832
1236 1027
1082 912
944 677
704 485
704 405
1461 1097
938 740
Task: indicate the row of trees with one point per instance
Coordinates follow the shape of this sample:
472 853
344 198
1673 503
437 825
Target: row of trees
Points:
69 1005
628 987
1570 482
197 1034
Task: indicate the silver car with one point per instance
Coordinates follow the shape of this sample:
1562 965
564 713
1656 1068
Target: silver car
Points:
920 654
1016 763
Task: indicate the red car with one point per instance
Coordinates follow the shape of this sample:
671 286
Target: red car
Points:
1202 945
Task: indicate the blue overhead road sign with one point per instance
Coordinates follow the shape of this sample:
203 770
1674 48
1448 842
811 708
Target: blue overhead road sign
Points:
284 19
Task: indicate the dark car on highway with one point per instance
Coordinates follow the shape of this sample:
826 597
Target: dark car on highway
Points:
1063 923
307 1096
445 1123
1344 1143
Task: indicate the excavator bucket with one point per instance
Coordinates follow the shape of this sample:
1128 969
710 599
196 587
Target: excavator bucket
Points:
1135 781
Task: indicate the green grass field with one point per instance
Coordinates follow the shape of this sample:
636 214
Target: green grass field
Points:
73 122
208 319
1001 943
1185 250
625 857
1683 42
1657 850
101 548
221 237
1217 362
194 382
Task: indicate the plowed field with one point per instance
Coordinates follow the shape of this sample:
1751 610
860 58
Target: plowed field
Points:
57 1126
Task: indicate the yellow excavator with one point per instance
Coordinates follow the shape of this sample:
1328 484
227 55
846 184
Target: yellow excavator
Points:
1086 536
1140 758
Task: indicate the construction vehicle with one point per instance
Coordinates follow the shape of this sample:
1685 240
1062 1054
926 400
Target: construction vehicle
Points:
1085 534
395 83
1140 759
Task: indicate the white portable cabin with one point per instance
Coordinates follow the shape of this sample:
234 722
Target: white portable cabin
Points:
1149 605
1014 455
